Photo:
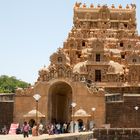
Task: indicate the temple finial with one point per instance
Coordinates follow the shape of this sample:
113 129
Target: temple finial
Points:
77 5
91 5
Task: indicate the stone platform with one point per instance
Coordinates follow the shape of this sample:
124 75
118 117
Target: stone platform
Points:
69 136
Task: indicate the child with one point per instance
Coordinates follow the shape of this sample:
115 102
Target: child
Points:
26 129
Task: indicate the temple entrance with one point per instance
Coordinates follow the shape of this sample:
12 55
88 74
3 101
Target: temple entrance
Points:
31 123
60 102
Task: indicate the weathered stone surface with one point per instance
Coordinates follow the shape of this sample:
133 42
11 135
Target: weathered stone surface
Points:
6 109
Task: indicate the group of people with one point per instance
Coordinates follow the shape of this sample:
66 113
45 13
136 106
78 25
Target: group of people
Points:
57 128
50 128
36 130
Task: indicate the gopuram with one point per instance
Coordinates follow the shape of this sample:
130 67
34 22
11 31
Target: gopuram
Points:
97 70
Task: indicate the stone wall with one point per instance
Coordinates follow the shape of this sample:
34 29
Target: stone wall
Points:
114 114
6 109
22 105
123 113
116 134
6 115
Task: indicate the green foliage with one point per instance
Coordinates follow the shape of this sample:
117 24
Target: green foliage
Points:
9 84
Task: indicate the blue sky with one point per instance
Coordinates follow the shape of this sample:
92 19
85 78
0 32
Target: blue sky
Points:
31 30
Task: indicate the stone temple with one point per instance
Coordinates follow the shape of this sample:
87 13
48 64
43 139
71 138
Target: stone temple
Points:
98 68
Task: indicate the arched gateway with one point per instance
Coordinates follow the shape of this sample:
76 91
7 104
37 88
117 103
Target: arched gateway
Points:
59 105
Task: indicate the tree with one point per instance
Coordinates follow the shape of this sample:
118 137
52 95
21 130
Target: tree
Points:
9 84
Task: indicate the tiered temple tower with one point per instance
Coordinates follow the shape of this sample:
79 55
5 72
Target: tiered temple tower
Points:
100 60
103 46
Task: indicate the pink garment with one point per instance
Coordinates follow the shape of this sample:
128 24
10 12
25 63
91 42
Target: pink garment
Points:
26 128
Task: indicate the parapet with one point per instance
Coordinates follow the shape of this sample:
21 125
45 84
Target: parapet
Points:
95 14
92 6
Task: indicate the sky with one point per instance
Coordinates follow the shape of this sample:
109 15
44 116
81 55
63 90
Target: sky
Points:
32 30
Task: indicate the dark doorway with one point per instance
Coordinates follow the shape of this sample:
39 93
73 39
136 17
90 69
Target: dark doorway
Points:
31 123
60 102
80 122
97 75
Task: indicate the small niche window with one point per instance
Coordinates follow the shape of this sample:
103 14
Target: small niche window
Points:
97 75
59 59
78 54
83 43
121 44
125 25
98 57
123 56
134 60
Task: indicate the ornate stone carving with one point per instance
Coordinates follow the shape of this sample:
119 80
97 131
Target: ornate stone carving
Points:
133 6
104 13
77 5
79 34
95 40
